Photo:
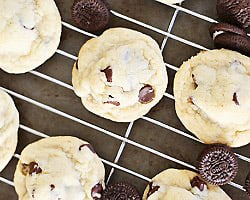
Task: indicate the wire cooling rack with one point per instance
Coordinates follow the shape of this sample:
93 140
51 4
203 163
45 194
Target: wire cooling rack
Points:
124 139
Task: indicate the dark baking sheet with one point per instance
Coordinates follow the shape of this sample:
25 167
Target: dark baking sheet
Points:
143 132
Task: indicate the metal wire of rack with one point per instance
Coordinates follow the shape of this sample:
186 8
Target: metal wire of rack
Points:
124 139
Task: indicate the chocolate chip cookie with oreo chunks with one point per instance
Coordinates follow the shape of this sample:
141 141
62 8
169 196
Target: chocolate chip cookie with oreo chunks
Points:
120 75
182 184
61 167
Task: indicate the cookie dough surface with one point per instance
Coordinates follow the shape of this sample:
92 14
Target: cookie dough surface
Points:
212 92
30 32
63 168
9 123
120 75
176 185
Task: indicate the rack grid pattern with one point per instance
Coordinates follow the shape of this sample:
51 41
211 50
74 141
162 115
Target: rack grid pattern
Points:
124 139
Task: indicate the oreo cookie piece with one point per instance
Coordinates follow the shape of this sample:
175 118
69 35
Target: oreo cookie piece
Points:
121 190
234 11
230 37
247 184
91 15
217 164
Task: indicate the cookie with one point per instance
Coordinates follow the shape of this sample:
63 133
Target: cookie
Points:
234 11
181 184
121 190
212 97
59 168
247 185
171 1
230 37
91 15
217 165
9 123
120 75
29 33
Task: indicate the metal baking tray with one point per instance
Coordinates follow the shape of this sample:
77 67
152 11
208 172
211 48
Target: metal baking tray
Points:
136 151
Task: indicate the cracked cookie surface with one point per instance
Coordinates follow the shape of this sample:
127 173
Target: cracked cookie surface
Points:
212 92
120 75
30 32
173 184
63 168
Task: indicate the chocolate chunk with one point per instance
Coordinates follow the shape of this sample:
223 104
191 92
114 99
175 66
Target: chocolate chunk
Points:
108 73
52 187
96 191
197 182
230 37
247 184
91 148
235 99
31 168
234 11
116 103
121 191
146 94
195 82
152 189
28 28
217 164
77 64
190 100
91 15
225 27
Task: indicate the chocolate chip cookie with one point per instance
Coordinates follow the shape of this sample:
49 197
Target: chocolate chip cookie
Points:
9 123
59 168
120 75
212 97
181 184
30 32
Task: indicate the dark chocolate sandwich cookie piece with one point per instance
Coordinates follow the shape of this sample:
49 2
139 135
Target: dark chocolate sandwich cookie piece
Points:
121 191
230 37
234 11
217 164
91 15
218 28
247 184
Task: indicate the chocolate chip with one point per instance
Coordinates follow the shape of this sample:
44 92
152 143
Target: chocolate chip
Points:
96 191
247 184
197 182
31 168
108 73
195 81
33 193
146 94
234 12
91 148
152 189
77 64
121 191
116 103
217 164
52 187
190 100
235 99
28 28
